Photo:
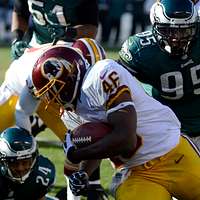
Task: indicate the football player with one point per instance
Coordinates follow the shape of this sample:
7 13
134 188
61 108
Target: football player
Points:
168 58
14 83
52 20
145 140
24 173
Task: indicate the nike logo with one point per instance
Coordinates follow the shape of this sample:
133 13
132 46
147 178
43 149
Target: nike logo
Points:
187 63
179 159
103 76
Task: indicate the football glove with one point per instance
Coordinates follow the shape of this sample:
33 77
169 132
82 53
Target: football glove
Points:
58 32
69 147
78 183
17 48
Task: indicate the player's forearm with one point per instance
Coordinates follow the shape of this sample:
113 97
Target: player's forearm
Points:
19 23
26 106
89 166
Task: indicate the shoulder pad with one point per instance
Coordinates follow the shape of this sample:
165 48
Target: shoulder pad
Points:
45 170
135 45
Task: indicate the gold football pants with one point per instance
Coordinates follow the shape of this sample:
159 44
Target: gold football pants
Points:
50 116
177 174
7 113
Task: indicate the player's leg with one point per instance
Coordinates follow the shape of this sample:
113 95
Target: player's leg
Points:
51 119
8 101
96 190
7 112
172 171
136 187
188 174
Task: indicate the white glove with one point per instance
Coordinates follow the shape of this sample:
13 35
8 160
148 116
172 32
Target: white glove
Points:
69 147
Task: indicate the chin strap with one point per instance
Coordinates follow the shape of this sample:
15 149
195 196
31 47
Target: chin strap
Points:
23 178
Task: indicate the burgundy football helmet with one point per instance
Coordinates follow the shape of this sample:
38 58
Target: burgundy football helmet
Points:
57 75
91 49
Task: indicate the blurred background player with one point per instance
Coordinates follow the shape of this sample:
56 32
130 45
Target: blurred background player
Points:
6 7
173 43
24 173
52 20
145 136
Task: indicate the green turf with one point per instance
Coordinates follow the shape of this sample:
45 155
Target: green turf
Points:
56 155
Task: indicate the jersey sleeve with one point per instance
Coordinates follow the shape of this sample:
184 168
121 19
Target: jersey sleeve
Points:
45 175
109 81
25 107
132 56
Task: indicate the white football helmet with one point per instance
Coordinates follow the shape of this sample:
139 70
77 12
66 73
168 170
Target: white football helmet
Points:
175 25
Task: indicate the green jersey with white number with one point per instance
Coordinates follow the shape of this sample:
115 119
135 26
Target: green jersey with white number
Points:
35 186
56 12
175 80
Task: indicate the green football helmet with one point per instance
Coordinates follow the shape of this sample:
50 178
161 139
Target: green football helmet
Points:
175 25
18 153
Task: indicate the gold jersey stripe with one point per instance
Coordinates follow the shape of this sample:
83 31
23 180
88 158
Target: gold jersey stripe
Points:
114 96
94 48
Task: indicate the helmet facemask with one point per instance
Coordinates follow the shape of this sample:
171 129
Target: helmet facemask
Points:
14 171
60 79
175 40
175 25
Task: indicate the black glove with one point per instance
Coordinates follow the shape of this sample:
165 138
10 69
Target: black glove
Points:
58 32
78 183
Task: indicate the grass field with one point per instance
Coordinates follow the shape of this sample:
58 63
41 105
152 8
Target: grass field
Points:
56 154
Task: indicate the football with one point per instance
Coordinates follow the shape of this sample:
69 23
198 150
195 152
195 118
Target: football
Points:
89 133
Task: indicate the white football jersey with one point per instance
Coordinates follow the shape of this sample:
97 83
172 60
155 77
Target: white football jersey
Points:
20 69
157 125
197 6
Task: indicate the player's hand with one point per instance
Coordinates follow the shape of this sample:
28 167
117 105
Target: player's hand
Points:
17 48
59 32
78 183
69 147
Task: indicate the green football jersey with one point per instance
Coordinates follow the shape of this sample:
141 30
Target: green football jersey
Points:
46 13
175 80
38 183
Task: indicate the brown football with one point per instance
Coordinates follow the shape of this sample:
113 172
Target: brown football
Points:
89 133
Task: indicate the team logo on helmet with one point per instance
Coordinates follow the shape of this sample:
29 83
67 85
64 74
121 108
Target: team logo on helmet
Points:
56 71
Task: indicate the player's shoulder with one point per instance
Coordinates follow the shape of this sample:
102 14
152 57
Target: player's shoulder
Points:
104 67
138 44
104 71
44 171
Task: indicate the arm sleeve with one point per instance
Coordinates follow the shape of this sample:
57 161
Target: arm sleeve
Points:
25 107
